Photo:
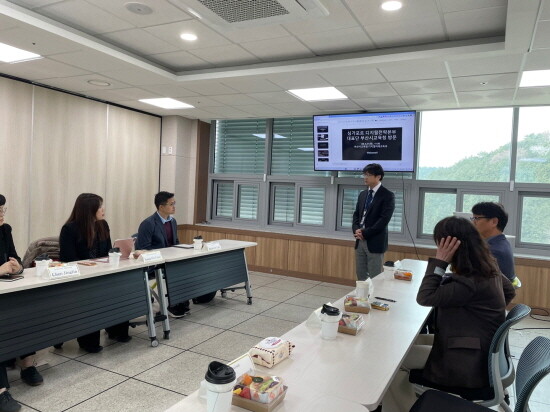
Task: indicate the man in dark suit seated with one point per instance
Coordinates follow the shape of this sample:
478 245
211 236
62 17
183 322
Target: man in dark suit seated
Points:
160 230
372 214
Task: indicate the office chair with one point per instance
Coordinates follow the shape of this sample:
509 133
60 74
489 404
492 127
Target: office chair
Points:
501 368
533 366
49 245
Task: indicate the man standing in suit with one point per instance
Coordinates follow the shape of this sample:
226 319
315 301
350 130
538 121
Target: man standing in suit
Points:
372 214
160 230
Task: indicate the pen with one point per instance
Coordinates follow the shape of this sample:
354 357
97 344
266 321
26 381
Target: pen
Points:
386 299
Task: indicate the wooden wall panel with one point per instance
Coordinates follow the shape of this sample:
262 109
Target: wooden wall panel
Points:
272 253
15 155
68 157
132 169
305 257
339 262
250 252
535 290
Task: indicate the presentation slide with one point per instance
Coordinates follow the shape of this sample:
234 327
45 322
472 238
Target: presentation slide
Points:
349 142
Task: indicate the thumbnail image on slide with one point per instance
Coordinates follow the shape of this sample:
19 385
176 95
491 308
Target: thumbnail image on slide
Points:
372 144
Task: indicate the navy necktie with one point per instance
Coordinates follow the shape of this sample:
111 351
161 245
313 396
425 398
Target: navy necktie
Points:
369 199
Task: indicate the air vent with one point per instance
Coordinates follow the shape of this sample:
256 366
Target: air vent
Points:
246 13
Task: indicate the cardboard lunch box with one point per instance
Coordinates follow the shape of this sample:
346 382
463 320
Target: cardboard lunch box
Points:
256 406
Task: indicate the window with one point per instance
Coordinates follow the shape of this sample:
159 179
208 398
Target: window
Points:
466 145
470 199
535 219
312 205
223 199
240 146
437 205
292 152
247 201
283 196
533 154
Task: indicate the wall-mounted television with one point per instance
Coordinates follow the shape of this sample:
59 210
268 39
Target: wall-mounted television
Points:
348 142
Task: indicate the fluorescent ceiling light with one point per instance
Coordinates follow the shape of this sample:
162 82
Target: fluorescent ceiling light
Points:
262 136
99 83
535 78
318 94
188 36
10 54
167 103
391 5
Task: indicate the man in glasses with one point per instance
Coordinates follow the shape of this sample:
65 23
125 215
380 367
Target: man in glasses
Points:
372 214
490 219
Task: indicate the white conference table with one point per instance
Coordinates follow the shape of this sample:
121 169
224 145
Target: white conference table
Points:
351 371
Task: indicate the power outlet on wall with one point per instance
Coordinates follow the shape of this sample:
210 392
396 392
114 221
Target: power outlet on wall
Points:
170 150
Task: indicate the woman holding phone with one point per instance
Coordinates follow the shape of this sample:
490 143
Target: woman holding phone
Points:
86 235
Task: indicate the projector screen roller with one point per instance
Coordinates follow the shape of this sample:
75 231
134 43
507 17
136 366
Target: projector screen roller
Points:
348 142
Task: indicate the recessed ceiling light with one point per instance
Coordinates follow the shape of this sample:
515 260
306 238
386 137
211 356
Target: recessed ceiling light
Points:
99 83
483 83
188 36
138 8
318 94
391 5
167 103
535 78
10 54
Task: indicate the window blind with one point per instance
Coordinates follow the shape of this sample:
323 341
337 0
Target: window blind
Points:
283 203
224 199
240 146
312 205
248 202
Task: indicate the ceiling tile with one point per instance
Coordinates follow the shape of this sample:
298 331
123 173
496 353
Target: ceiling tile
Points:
545 15
92 60
84 16
180 60
41 69
235 99
251 85
170 90
202 101
138 41
485 65
32 4
413 70
369 13
422 86
533 95
431 101
131 93
239 35
163 12
484 98
542 35
297 80
448 6
229 54
337 105
297 108
171 34
407 32
263 110
477 23
537 60
380 102
7 22
280 48
494 81
337 41
273 97
352 75
368 90
137 77
208 88
339 18
228 111
38 41
80 83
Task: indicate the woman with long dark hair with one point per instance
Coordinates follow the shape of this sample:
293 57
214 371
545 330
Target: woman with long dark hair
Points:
86 235
470 303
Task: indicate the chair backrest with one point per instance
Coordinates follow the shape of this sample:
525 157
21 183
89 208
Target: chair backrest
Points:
533 366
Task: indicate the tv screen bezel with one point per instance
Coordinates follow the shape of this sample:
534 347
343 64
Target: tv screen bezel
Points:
415 133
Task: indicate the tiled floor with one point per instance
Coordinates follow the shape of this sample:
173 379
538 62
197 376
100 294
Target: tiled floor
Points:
136 377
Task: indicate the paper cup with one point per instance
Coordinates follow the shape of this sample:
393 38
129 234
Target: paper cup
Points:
218 396
42 267
329 326
197 244
114 259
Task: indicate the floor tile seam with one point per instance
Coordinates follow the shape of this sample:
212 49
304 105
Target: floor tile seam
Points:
160 363
210 356
287 320
217 334
30 407
239 310
103 369
157 386
97 394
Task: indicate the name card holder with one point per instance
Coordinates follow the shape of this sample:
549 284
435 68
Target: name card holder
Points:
213 246
58 272
152 257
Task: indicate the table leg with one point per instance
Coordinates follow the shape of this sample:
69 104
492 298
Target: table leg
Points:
247 286
159 274
150 314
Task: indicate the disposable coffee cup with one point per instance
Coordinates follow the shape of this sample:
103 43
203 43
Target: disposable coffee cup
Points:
330 317
114 258
197 242
389 268
361 289
220 380
42 267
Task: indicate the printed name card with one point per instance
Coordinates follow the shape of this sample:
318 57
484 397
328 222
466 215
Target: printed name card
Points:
213 246
152 257
59 272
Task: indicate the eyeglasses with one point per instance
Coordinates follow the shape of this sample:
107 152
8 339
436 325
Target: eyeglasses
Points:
170 204
476 218
367 175
3 210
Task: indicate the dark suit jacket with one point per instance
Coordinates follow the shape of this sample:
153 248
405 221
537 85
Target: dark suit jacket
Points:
72 245
469 311
7 248
377 219
151 233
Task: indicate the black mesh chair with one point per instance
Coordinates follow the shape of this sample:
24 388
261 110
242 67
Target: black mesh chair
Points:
501 368
533 366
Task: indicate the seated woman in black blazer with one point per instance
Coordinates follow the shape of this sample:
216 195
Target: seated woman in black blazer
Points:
86 236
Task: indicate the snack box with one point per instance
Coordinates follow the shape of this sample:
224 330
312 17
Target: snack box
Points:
351 323
255 406
380 305
403 274
355 304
